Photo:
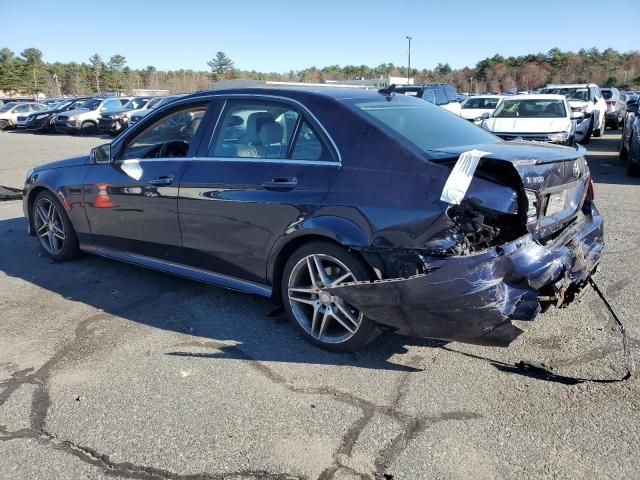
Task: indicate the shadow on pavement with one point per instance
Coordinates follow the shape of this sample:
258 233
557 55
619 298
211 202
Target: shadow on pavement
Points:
235 325
605 166
28 131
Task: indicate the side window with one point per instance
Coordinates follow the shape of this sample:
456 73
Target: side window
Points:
168 137
254 129
308 145
111 104
23 108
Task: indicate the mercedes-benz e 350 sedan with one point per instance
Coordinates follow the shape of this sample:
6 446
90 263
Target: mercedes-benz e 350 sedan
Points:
360 211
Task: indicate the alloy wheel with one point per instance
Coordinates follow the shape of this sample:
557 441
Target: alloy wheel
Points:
49 227
324 316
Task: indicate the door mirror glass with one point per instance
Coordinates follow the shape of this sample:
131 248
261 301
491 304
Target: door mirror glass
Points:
632 107
101 153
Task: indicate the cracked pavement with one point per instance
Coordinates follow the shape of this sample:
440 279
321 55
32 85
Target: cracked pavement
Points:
113 371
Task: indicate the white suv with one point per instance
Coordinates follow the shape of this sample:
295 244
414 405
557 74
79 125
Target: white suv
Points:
584 98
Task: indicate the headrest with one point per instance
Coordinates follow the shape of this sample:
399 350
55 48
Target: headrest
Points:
255 121
234 121
270 133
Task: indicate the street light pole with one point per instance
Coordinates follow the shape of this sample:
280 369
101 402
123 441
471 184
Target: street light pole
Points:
409 37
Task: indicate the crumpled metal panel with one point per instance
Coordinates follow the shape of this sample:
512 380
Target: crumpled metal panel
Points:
473 298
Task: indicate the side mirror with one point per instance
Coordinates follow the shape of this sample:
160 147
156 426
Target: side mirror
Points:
577 115
632 107
103 109
101 154
595 100
485 115
631 102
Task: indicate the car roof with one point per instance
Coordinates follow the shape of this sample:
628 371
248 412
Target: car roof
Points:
571 85
486 95
536 96
336 93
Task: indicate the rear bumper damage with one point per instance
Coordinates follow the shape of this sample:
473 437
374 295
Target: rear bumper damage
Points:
474 298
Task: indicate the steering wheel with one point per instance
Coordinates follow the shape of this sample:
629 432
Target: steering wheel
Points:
174 148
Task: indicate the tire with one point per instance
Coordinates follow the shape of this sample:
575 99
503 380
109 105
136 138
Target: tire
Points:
332 334
46 211
3 124
600 131
633 170
88 128
624 153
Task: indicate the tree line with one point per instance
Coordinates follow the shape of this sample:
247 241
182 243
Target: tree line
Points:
28 73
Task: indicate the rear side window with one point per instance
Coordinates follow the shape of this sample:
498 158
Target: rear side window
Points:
269 130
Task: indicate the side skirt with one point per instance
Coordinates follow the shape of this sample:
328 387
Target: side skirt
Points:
180 270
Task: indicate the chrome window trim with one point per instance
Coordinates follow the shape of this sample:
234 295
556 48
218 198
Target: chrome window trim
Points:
282 161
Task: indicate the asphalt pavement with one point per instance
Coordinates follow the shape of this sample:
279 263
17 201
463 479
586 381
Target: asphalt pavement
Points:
113 371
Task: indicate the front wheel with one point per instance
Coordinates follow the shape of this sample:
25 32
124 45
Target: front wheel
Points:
53 228
3 124
88 128
325 319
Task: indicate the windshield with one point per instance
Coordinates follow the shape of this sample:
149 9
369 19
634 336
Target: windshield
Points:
426 126
7 107
530 109
485 103
91 104
571 93
154 102
135 103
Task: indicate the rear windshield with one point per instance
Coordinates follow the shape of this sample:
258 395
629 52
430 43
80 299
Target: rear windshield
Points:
135 103
91 104
426 126
487 103
607 94
530 109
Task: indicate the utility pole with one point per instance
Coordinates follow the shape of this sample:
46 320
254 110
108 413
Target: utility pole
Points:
471 85
55 77
409 37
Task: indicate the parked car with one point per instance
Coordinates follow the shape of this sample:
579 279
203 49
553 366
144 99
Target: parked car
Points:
155 103
630 142
114 121
543 118
15 114
85 118
308 195
616 107
476 109
584 98
43 120
6 100
440 94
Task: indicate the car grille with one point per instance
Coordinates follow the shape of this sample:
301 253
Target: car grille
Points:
536 137
22 119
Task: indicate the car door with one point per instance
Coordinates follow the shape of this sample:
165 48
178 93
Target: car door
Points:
131 201
268 164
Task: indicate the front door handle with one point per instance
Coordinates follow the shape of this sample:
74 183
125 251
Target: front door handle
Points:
281 184
162 181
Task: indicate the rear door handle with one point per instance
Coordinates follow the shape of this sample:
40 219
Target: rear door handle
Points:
162 181
281 184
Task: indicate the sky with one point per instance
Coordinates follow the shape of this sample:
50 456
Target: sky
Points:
283 35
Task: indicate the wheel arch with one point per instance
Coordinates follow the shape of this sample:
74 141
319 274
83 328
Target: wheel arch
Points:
33 193
336 230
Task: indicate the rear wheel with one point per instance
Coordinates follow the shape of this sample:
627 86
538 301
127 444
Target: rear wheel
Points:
325 319
53 228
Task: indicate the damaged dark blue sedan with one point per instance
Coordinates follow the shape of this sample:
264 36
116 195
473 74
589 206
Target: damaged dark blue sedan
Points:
359 211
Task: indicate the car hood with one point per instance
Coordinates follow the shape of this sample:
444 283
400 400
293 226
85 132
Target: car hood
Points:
471 113
68 162
527 125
